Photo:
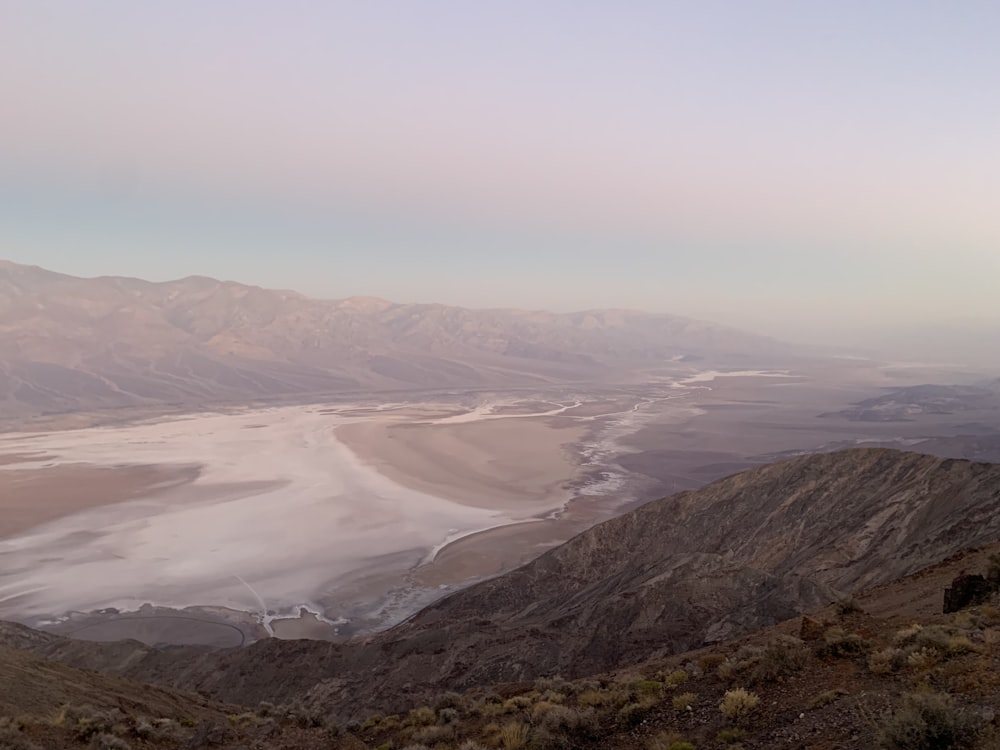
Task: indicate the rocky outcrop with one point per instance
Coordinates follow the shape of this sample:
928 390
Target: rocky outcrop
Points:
966 591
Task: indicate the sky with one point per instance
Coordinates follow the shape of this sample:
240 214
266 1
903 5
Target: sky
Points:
814 171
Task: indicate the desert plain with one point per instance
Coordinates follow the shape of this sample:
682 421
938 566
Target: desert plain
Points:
333 519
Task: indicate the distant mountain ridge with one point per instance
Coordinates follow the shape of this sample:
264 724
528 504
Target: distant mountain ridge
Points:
68 343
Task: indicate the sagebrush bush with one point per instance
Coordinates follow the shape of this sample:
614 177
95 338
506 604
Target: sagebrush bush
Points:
923 658
595 698
684 701
738 704
634 712
570 721
928 721
676 678
433 734
449 699
710 662
514 735
838 643
886 661
730 736
12 738
556 684
421 717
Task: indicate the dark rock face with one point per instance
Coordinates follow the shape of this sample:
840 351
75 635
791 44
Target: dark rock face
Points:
740 554
966 591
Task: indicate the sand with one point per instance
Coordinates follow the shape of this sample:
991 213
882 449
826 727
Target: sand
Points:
30 497
520 465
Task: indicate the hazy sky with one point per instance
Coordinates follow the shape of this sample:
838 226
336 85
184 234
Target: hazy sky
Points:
786 166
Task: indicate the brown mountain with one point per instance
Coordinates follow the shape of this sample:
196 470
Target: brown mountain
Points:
699 567
68 343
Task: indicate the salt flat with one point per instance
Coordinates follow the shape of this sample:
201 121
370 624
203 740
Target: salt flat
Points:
278 513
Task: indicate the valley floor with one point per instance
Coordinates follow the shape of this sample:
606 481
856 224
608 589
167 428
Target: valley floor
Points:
329 520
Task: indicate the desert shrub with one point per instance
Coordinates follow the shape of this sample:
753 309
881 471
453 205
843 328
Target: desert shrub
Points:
541 708
727 670
927 721
556 684
86 722
785 655
247 718
650 687
421 717
570 721
300 714
684 701
514 735
838 643
635 712
730 736
738 704
12 737
390 723
105 741
595 698
562 728
371 722
960 644
676 678
988 615
449 699
517 703
434 734
907 634
710 662
826 697
938 637
551 696
887 660
923 658
144 729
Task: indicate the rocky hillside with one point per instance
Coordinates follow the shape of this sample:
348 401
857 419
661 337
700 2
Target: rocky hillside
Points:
700 567
885 670
68 343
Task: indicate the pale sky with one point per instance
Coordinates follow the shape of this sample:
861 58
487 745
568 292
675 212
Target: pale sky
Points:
804 169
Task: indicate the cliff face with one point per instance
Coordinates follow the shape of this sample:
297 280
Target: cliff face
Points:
730 558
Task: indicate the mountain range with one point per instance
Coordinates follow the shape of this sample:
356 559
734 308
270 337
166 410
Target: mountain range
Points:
70 343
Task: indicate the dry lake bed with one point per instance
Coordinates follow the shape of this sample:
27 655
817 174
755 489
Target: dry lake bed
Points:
327 520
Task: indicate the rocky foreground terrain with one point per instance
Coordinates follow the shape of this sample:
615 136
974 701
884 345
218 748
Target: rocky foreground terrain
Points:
68 343
680 622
